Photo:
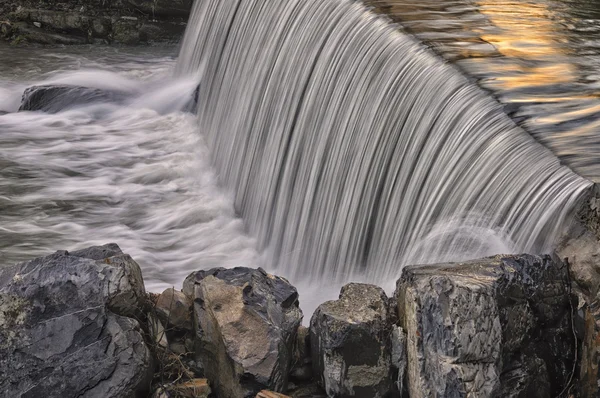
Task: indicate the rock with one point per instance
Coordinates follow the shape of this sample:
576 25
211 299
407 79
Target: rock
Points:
54 98
498 326
302 363
350 343
270 394
67 326
174 309
246 323
307 390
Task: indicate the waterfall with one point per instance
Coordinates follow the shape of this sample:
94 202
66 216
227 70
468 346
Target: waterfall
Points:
352 150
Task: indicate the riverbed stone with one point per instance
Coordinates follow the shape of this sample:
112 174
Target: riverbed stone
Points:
350 343
498 326
246 322
68 326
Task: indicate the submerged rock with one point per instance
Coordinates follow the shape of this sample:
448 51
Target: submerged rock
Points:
55 98
246 323
350 343
67 326
493 327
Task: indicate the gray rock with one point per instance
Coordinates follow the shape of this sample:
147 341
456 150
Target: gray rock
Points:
66 328
54 98
174 309
350 343
246 323
493 327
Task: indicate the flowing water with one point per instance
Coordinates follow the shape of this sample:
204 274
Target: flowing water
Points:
347 148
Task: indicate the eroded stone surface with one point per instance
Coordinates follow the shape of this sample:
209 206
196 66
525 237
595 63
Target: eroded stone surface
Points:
246 322
66 326
350 343
492 327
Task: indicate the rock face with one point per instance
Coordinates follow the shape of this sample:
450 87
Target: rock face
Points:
493 327
91 21
53 98
246 323
68 328
350 343
581 249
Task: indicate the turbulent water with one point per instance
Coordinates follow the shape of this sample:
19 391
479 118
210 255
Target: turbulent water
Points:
137 174
347 148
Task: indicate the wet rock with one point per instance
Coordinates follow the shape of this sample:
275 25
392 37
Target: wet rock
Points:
174 309
55 98
350 343
67 326
246 323
499 326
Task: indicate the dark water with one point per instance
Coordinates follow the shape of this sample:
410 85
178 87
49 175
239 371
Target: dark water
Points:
541 59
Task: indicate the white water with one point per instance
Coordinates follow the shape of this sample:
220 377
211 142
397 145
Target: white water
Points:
352 150
136 174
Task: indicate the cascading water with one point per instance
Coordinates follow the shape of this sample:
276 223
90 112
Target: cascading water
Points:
352 150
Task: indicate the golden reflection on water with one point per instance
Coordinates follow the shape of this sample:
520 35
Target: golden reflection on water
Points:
527 32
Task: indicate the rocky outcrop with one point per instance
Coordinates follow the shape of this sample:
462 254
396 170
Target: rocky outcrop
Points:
350 343
88 21
68 326
246 322
56 98
493 327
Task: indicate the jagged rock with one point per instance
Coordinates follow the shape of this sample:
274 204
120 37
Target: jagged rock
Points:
246 323
580 247
499 326
53 98
174 309
350 343
67 327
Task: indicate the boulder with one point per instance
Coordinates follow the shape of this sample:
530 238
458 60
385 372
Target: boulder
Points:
56 98
246 322
499 326
68 327
350 343
174 309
